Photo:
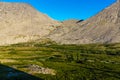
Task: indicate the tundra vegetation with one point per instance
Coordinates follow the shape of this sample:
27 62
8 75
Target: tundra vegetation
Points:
50 61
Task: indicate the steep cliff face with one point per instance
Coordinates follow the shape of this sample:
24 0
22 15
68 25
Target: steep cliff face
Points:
20 22
101 28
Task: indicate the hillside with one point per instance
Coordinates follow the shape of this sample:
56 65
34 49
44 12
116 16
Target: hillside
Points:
101 28
63 29
20 22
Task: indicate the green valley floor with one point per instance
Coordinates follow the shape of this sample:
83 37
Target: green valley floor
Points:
35 61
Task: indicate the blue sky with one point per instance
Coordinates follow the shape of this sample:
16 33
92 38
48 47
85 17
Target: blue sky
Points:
68 9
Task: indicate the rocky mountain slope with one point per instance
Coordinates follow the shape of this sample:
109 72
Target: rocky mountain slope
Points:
63 29
101 28
20 22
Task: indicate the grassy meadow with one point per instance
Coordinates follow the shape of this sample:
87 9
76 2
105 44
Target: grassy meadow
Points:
60 62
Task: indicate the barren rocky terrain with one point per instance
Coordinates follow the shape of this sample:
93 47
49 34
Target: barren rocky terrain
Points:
20 22
101 28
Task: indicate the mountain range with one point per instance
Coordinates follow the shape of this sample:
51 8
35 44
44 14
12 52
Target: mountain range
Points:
20 22
101 28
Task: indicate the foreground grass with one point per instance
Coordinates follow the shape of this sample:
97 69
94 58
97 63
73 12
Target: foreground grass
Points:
68 62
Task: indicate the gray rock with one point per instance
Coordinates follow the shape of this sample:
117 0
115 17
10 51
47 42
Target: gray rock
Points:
104 27
20 22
